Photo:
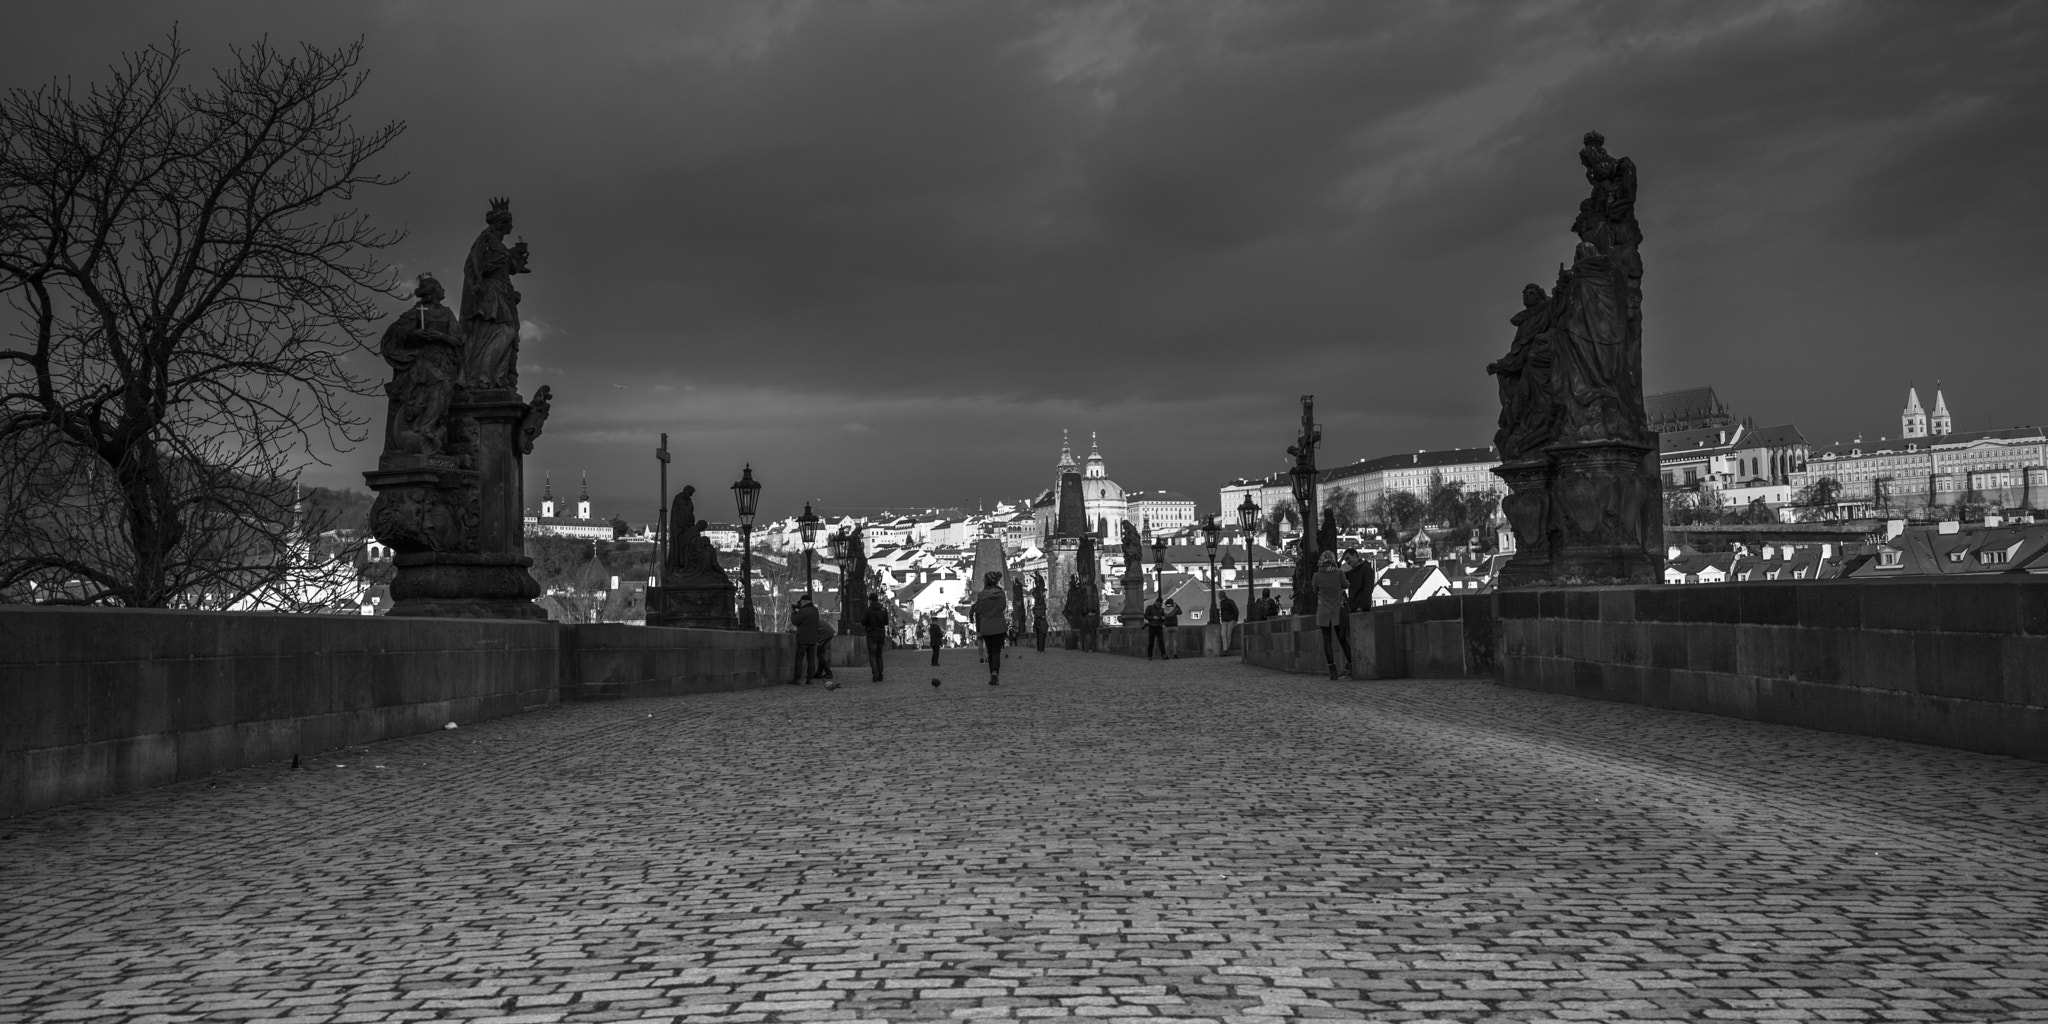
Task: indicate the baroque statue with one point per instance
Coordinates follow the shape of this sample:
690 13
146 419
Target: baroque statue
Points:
425 353
536 414
1524 378
1576 453
690 553
490 305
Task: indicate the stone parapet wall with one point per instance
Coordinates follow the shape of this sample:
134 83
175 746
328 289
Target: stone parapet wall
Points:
612 661
1185 641
1441 638
1956 662
96 701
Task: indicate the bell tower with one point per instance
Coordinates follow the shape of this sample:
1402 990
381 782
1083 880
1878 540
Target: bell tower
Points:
1913 421
583 499
1940 422
547 496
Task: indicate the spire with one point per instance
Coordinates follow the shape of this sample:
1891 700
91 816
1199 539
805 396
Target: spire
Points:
1913 421
1096 467
585 496
1066 454
1940 422
547 487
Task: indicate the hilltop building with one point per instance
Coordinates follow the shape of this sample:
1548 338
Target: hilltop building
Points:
1931 465
582 524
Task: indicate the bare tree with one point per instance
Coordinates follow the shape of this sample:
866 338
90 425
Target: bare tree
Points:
184 272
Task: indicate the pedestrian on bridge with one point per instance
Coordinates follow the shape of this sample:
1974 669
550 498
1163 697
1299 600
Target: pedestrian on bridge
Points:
938 635
1172 628
876 621
1268 607
803 621
1155 629
1330 612
1226 613
992 622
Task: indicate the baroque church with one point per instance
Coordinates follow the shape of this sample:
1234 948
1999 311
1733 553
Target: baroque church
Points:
582 524
1102 498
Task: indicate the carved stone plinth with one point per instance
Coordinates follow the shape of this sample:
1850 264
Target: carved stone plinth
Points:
1607 511
1133 611
455 520
1527 508
695 604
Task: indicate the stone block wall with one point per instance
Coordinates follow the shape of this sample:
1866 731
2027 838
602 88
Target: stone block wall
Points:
95 701
1448 637
1951 662
612 661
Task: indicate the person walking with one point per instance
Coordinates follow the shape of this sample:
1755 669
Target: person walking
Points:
1155 629
876 621
1039 627
938 635
1330 612
1226 614
803 621
991 621
825 633
1172 628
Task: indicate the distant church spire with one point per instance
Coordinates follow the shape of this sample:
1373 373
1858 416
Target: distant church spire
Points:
547 486
1066 454
1913 421
1096 468
585 496
1940 423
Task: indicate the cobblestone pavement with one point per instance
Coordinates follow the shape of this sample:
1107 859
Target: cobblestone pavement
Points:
1097 837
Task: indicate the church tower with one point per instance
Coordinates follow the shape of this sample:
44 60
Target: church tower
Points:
1913 422
547 496
1067 463
1940 424
1097 469
583 499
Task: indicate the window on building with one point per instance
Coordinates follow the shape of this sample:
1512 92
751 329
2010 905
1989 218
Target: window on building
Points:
1993 556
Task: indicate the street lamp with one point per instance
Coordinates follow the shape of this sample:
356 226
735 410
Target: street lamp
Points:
1247 518
807 526
1211 534
1159 566
747 493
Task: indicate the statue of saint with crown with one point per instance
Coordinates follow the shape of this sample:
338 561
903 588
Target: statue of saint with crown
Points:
490 305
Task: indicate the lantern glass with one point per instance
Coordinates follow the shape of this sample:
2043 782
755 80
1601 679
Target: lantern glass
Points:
807 525
747 494
1212 534
1248 515
836 543
1304 483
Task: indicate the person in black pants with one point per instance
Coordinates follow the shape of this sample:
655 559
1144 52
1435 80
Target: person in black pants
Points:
991 622
938 634
1155 630
876 621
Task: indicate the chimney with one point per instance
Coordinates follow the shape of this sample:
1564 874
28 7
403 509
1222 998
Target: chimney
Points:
1992 520
1894 527
1948 526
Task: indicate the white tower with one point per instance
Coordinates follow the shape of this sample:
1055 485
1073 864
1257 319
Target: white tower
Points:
1940 423
1913 422
547 496
583 499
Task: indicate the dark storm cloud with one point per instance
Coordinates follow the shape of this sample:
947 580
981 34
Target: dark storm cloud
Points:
888 250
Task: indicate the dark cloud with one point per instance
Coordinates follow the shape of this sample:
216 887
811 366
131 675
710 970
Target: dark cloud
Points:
887 251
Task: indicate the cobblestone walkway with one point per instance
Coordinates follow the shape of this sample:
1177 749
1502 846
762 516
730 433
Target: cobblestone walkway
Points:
1099 836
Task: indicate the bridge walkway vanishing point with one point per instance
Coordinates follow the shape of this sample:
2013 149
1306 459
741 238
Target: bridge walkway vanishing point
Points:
1099 836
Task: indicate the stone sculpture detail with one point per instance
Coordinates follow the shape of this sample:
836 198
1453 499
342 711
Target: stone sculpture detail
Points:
695 591
490 305
1584 495
425 354
450 481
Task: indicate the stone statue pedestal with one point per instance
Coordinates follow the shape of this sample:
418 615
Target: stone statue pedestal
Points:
696 603
1527 508
1061 557
458 533
1607 503
1133 612
1589 514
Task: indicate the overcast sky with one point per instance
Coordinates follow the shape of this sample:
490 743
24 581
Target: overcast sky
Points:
888 251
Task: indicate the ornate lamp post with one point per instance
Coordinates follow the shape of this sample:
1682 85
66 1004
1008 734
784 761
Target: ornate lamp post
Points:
835 546
807 526
1247 518
1159 566
747 493
1211 535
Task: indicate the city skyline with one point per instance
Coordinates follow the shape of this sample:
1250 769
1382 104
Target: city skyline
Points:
886 253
